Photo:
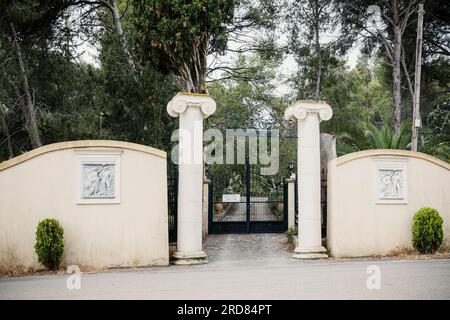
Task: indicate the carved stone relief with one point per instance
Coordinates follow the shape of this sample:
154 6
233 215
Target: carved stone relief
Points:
391 184
98 180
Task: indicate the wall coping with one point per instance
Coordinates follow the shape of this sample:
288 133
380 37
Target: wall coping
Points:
390 152
78 145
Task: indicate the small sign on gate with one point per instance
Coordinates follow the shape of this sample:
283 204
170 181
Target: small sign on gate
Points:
231 197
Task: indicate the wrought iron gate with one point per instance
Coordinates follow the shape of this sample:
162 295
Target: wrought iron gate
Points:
172 197
256 205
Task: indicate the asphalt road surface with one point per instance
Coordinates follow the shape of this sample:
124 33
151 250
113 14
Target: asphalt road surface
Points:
236 271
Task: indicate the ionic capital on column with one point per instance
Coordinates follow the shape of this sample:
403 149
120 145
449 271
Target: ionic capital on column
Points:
300 109
182 101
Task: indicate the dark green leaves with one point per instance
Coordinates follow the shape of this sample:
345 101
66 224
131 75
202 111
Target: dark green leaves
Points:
49 243
427 230
168 32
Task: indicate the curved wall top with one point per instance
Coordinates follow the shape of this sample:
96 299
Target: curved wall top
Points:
78 145
388 152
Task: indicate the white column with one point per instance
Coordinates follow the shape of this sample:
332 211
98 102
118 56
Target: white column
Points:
192 109
308 115
291 202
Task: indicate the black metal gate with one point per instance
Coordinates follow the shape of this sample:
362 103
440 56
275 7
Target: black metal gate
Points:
256 205
172 197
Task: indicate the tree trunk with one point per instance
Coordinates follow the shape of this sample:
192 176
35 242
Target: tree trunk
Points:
319 54
396 80
122 41
27 101
6 131
203 52
192 73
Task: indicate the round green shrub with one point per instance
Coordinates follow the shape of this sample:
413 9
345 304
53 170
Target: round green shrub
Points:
49 245
427 230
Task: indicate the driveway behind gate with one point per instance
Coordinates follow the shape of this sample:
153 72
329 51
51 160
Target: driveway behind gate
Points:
259 248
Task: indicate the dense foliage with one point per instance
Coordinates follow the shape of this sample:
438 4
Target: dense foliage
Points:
176 36
427 230
146 50
49 245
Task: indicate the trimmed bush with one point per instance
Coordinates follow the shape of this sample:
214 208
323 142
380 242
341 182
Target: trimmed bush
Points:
291 232
427 230
49 245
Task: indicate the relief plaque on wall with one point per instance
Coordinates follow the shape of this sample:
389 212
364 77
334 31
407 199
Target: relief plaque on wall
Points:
98 176
98 180
391 184
391 180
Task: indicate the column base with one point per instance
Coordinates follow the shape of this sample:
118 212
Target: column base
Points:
184 259
318 252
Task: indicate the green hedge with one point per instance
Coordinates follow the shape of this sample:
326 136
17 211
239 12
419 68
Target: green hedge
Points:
427 230
291 232
49 245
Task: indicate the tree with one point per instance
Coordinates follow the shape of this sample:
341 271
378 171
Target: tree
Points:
249 102
436 30
22 23
90 10
72 99
384 24
436 137
377 137
384 138
306 20
5 129
130 112
176 36
357 96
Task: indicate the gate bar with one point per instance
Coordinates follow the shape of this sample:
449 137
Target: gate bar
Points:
247 191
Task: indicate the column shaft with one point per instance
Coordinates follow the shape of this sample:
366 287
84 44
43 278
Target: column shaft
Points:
309 182
191 110
308 115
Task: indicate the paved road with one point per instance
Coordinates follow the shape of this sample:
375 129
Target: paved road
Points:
248 267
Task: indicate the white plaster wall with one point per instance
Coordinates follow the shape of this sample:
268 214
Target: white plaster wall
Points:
132 233
358 226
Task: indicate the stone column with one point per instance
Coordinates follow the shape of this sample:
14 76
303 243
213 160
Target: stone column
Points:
308 115
192 109
291 202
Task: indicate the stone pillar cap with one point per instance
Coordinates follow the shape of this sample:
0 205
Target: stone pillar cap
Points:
300 109
182 100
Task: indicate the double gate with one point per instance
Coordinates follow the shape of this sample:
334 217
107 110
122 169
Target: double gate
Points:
172 197
247 203
253 214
